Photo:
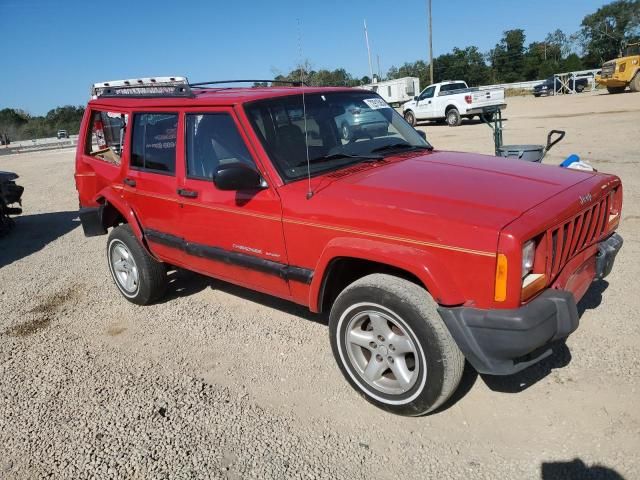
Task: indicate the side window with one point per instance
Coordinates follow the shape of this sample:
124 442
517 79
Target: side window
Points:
154 142
107 132
213 140
428 93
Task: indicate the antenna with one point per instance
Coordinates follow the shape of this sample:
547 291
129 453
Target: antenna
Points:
304 111
366 38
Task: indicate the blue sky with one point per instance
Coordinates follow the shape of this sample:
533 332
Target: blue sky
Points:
53 50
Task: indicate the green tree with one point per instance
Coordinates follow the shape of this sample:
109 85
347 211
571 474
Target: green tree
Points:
604 33
462 64
507 58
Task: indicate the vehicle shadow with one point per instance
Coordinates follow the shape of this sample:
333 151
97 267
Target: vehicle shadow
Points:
560 357
31 233
183 283
577 470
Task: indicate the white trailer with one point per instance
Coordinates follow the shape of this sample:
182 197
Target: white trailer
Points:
396 92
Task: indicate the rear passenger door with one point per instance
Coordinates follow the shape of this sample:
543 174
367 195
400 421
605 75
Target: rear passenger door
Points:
150 182
233 235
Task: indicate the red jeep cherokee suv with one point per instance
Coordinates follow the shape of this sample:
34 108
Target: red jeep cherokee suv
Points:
423 258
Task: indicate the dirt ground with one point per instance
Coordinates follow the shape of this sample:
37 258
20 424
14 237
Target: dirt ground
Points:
221 382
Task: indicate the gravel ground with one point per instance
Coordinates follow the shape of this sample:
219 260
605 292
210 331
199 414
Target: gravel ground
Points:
222 382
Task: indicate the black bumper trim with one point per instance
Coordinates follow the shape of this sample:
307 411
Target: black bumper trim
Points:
607 251
286 272
499 342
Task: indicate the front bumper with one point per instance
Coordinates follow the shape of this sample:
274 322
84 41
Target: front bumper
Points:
503 342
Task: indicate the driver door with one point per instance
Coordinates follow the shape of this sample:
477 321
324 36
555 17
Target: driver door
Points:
425 108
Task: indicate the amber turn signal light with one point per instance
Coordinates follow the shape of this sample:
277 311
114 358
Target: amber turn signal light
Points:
501 278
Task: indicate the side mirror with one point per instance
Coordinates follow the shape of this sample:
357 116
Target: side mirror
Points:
415 98
237 176
423 134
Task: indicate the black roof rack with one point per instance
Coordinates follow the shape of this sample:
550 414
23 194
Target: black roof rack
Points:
219 82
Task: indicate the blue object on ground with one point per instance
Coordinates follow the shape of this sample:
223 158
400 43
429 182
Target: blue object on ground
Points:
570 159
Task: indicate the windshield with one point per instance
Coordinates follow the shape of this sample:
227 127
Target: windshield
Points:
633 49
342 128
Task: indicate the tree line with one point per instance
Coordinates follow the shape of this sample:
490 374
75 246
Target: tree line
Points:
602 36
19 125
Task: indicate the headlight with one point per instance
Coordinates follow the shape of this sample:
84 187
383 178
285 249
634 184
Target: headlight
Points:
528 254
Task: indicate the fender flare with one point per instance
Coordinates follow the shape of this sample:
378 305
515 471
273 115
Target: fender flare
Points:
424 265
115 199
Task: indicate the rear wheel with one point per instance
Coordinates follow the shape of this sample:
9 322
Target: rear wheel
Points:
410 118
392 346
579 88
140 278
635 83
453 117
615 89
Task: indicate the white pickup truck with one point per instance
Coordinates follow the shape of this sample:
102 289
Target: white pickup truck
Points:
452 101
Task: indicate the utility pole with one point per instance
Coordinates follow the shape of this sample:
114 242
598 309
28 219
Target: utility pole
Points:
430 45
366 38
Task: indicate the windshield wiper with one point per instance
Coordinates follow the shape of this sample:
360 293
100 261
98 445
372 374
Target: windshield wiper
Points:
404 146
337 156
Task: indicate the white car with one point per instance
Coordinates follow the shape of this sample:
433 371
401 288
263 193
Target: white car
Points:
452 101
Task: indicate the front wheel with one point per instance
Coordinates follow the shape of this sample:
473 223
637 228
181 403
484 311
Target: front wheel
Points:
346 131
453 117
635 83
579 88
392 346
140 278
410 118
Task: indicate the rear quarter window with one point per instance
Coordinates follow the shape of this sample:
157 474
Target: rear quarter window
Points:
107 135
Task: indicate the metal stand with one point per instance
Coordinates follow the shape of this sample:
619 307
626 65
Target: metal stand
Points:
492 116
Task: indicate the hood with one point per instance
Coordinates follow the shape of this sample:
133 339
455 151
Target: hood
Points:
463 187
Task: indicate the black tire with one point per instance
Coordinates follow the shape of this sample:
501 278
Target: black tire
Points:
346 132
453 117
537 95
410 118
151 275
579 88
635 83
411 318
615 89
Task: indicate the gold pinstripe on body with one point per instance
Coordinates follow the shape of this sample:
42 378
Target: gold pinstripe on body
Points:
320 225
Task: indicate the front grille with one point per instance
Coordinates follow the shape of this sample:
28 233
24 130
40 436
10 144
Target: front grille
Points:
608 69
572 236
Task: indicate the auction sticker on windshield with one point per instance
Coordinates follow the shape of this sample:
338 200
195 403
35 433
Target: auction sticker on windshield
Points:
376 103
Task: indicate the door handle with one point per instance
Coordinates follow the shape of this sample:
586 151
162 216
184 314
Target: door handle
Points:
130 181
187 193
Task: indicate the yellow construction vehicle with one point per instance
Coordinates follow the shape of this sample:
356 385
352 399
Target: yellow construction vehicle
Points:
617 74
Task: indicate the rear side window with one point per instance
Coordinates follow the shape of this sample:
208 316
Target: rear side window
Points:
213 140
452 86
107 136
154 142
